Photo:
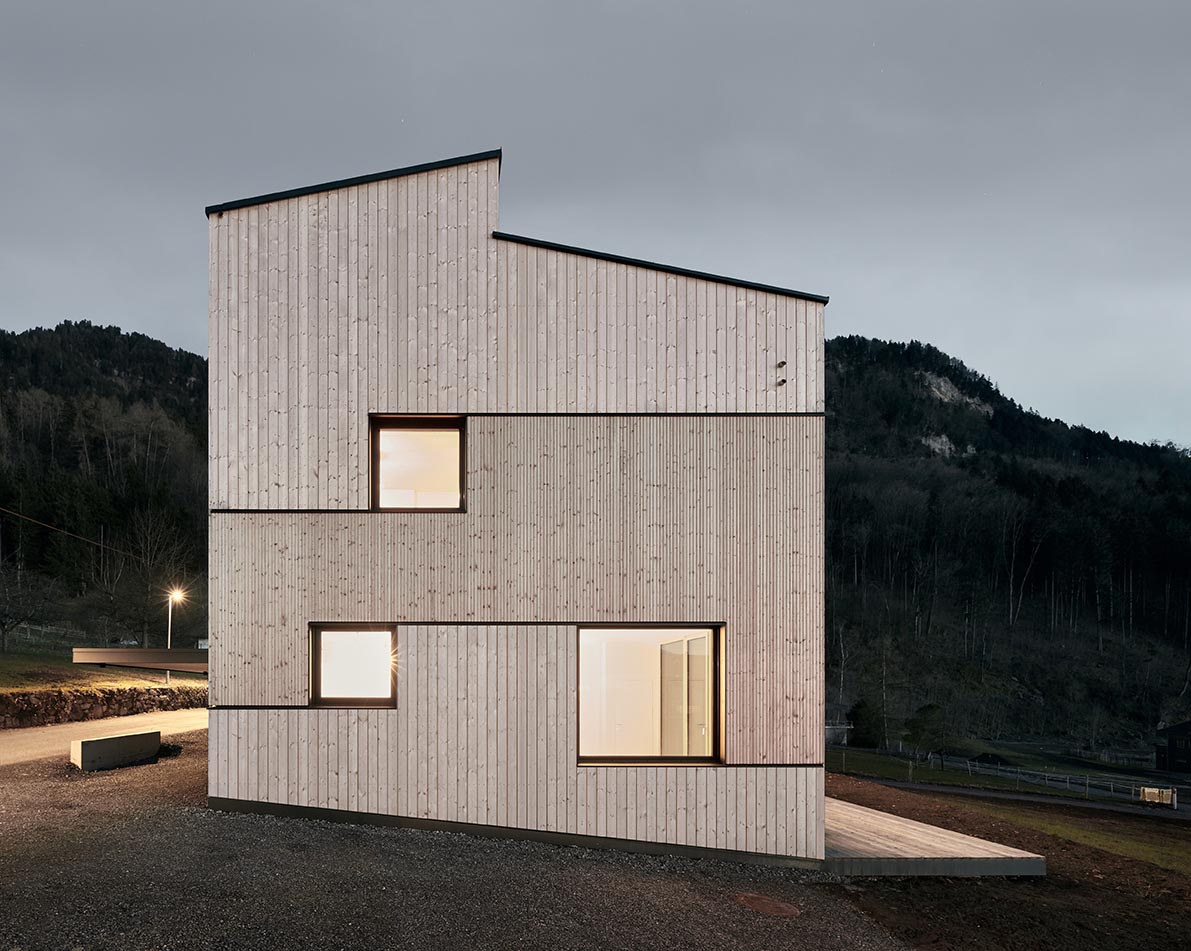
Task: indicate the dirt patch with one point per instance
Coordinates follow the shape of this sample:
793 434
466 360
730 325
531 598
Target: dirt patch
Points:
1090 898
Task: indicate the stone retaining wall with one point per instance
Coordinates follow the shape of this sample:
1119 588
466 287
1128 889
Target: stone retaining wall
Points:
40 707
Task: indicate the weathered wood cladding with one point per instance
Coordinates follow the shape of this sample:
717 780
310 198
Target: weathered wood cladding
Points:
570 519
587 335
322 304
393 296
485 732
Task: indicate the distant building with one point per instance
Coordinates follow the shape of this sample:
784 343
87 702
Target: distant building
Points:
836 724
1173 749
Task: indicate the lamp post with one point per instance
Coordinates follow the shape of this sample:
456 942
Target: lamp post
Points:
177 595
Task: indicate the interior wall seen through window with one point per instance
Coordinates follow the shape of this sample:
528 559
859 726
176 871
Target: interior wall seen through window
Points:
646 692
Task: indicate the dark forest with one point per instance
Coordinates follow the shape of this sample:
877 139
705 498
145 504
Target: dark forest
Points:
990 573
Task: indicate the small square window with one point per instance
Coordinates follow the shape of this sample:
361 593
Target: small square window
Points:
649 693
418 463
353 666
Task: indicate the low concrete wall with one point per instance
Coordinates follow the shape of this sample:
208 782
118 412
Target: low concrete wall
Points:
111 752
40 707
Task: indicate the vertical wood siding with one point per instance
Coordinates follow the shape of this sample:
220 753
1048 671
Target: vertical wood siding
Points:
485 732
608 337
702 518
394 297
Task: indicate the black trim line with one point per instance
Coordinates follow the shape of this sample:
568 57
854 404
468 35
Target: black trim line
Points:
712 415
358 180
746 414
284 810
475 622
654 266
300 512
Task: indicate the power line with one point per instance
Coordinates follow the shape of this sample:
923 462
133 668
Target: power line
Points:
55 528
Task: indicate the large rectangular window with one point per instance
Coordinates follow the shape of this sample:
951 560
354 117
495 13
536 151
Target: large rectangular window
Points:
649 693
353 665
418 463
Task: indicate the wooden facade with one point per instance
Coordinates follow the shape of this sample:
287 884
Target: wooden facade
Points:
485 733
643 445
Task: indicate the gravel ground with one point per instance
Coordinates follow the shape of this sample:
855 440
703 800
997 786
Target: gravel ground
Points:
133 859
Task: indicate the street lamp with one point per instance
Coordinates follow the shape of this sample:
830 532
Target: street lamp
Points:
177 596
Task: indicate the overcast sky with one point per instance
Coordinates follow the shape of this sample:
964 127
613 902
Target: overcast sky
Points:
1007 181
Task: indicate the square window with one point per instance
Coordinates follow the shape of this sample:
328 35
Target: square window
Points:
649 693
353 666
417 463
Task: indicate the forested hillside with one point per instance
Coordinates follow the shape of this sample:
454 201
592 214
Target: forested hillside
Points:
990 573
104 434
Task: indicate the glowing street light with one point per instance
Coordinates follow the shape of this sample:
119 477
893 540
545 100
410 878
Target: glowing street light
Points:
177 596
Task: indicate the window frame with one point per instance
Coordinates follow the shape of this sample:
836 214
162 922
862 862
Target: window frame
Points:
315 698
379 422
717 652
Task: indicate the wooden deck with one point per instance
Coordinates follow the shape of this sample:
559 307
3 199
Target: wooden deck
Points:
862 841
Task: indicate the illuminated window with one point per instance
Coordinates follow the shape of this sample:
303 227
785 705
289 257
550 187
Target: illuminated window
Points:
648 693
417 463
353 666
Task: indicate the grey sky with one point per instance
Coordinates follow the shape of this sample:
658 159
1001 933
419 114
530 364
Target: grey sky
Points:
1007 181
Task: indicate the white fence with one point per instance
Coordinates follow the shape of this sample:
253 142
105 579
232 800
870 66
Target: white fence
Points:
51 638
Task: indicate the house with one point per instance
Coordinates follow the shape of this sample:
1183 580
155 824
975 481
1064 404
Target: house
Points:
1173 749
507 536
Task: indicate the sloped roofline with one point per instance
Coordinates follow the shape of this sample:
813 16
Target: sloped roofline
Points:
358 180
654 266
503 235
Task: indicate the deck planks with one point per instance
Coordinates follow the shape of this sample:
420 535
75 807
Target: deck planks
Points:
863 841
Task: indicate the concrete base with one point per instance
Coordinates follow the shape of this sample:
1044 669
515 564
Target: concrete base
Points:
109 752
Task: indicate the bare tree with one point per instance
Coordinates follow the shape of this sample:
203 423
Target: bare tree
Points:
23 597
1013 529
135 583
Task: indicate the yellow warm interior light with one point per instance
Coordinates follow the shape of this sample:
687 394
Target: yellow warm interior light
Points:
645 691
419 468
355 664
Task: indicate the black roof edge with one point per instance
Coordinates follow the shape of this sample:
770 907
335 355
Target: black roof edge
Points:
654 266
358 180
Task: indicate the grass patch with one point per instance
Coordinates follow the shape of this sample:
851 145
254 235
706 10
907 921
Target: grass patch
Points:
1161 843
46 671
878 766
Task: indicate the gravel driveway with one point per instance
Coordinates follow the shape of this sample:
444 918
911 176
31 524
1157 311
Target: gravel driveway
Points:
133 859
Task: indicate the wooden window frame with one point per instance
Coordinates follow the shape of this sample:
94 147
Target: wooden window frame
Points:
379 422
370 703
718 697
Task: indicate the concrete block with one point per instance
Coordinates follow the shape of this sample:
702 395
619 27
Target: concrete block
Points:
108 752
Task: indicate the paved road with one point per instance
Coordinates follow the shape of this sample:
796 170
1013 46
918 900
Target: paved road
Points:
1153 812
41 742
